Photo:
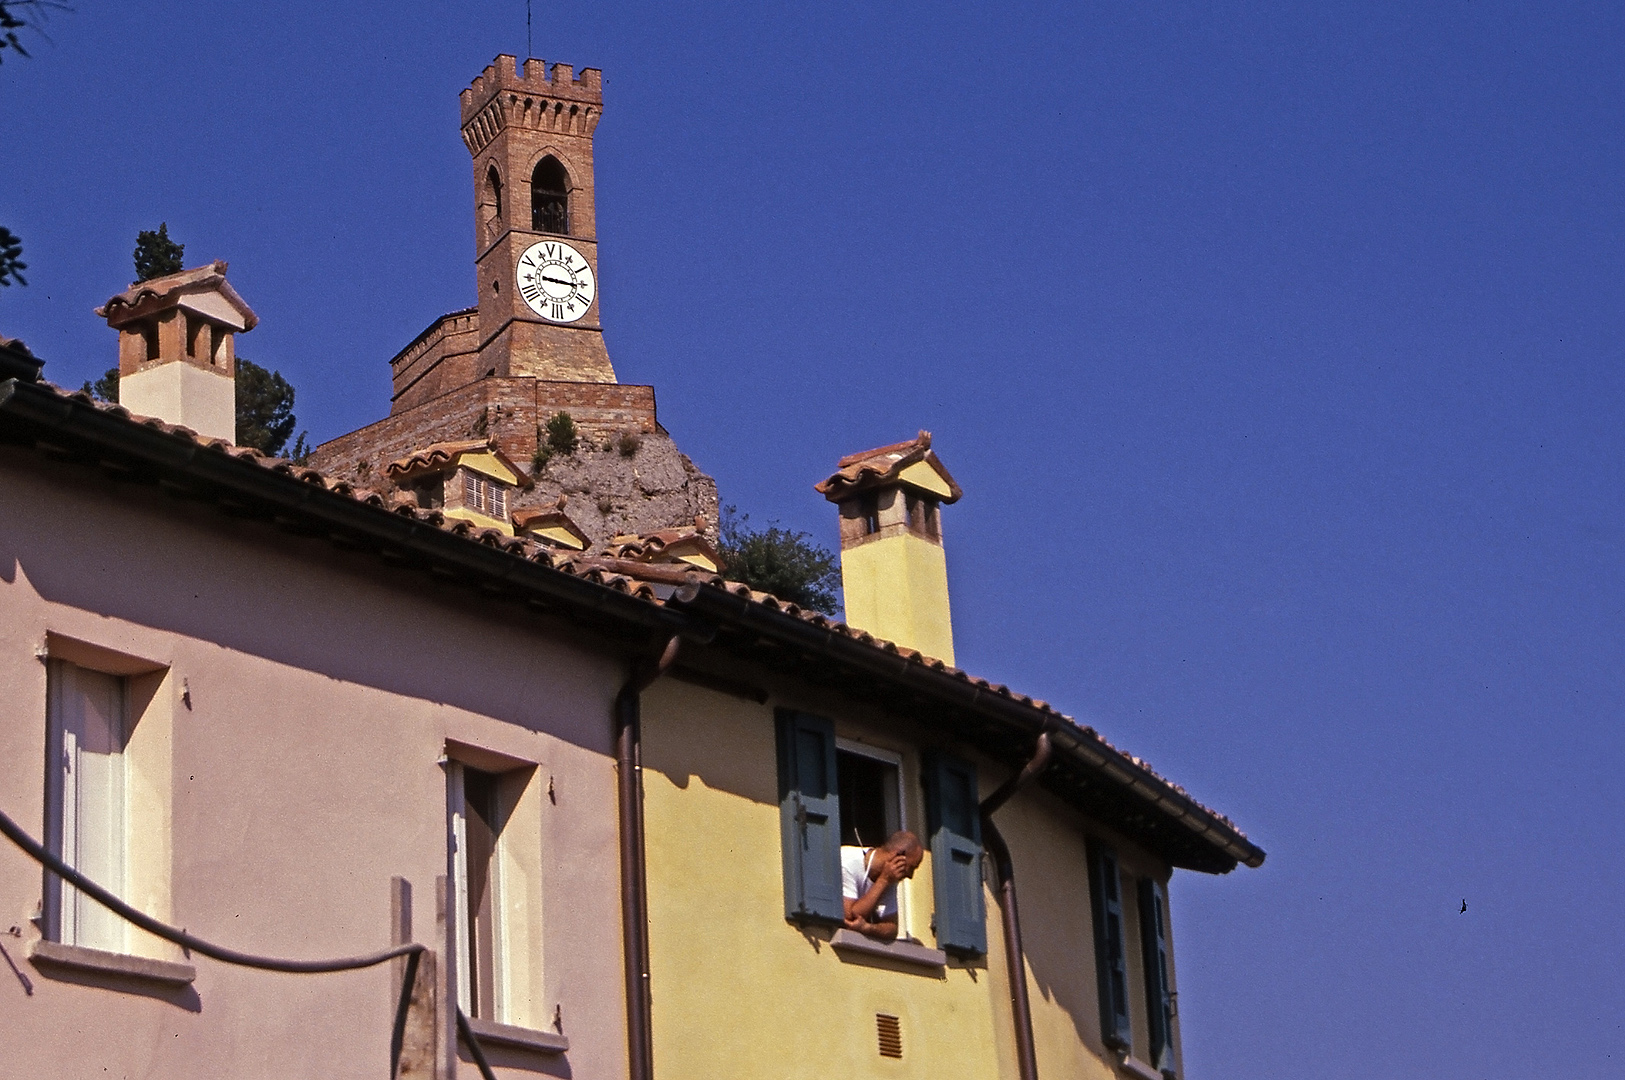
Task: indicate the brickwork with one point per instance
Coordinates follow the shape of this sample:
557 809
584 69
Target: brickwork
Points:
497 371
442 358
511 122
613 491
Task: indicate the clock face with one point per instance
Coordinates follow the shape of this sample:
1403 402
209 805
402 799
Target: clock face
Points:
555 281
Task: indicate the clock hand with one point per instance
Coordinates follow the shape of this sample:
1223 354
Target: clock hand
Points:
559 281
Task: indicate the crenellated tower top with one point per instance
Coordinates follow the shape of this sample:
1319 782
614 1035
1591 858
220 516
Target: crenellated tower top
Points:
530 134
559 101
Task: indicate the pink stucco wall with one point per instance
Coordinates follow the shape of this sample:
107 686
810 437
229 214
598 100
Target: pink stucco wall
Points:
305 775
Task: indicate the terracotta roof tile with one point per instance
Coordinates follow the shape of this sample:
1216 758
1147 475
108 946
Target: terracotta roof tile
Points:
639 578
871 468
438 456
207 278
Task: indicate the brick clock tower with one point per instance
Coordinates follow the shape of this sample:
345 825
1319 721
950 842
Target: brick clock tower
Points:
532 347
531 139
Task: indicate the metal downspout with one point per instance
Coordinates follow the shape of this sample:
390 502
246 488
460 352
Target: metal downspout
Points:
634 866
1015 965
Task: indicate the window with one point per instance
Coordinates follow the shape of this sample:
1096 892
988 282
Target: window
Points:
831 794
1159 997
485 495
870 782
550 197
494 841
1111 963
87 811
493 186
476 827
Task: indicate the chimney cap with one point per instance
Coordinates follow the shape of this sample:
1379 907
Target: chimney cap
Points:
885 466
203 289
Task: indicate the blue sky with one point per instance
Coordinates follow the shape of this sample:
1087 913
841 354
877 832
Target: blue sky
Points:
1277 348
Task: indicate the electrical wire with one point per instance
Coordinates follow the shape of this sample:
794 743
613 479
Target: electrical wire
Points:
16 835
467 1032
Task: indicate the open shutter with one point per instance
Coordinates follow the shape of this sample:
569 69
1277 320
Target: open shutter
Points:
1111 966
809 818
954 822
1159 998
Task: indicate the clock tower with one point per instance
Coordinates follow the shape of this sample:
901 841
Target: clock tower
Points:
535 234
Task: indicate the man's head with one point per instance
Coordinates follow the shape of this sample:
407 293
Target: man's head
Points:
904 843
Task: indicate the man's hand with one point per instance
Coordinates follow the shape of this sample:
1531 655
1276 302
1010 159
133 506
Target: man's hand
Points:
894 869
880 931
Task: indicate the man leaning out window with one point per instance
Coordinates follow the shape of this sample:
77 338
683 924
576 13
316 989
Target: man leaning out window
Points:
869 878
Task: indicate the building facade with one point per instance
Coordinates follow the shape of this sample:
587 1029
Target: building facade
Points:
311 713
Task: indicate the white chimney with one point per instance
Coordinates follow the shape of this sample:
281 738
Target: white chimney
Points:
175 356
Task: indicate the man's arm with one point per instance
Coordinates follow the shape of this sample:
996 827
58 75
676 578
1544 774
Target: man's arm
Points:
860 912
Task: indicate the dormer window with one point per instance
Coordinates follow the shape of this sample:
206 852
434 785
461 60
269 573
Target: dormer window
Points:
550 197
484 495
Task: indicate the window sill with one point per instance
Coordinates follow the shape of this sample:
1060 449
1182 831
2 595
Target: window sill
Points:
78 958
1129 1065
520 1038
906 952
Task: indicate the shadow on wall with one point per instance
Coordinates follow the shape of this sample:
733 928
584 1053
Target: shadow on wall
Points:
300 603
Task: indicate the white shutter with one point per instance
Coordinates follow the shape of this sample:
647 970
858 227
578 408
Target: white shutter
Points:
94 807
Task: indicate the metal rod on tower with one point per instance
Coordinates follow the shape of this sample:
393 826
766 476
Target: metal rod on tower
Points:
527 30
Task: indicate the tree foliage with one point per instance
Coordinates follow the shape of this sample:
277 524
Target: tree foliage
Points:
18 14
11 258
156 254
14 16
104 388
775 560
558 436
562 435
265 418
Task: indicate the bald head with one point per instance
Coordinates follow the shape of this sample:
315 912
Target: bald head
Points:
903 842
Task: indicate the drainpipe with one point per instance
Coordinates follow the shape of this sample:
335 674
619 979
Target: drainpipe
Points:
634 867
1004 869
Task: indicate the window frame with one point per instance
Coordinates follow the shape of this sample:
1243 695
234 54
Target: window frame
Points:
895 760
465 960
539 195
62 907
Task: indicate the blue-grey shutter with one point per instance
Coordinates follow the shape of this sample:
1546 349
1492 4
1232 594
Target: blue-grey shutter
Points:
809 818
1159 998
1111 964
953 819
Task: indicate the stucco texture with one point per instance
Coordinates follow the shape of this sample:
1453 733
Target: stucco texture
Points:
738 991
310 697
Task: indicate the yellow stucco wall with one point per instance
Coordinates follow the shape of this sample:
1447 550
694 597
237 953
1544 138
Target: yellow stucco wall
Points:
738 991
484 521
896 587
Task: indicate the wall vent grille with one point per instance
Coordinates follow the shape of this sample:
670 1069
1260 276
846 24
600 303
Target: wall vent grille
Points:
890 1030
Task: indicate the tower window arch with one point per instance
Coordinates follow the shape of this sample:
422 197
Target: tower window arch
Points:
493 187
550 197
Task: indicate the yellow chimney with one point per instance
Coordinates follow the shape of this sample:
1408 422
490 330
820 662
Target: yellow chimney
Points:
894 571
176 360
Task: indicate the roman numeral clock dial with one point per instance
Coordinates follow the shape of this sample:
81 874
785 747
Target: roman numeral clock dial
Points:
556 281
